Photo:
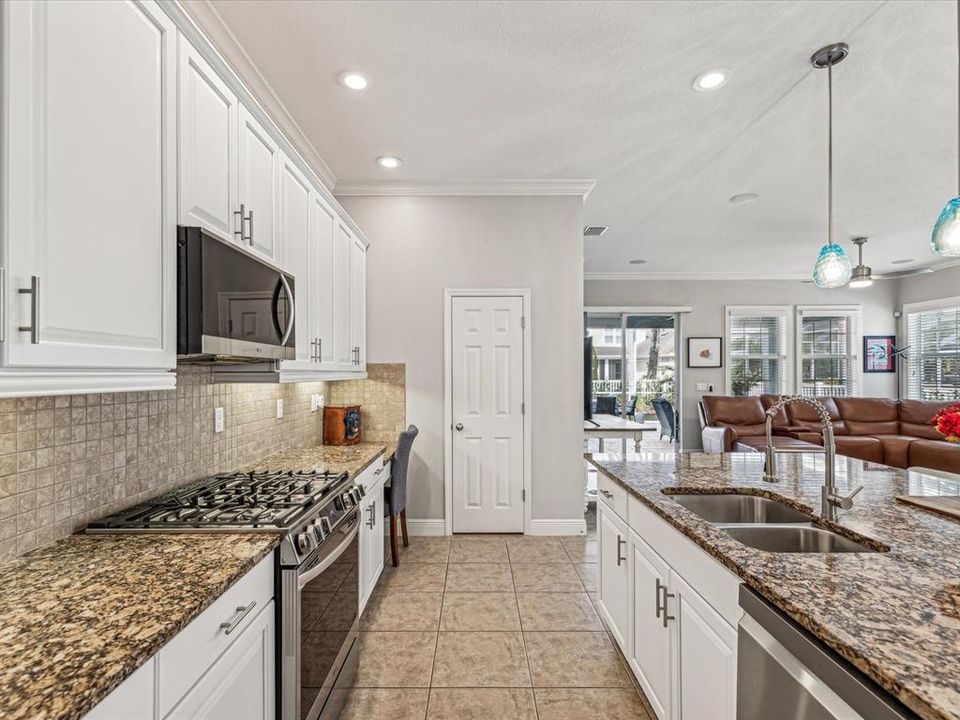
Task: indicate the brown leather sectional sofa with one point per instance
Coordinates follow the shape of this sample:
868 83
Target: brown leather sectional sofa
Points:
892 432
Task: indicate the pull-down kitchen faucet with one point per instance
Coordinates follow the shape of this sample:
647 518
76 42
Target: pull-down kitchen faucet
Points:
830 500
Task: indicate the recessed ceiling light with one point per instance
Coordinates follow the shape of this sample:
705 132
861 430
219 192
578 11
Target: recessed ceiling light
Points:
389 162
903 261
711 79
354 80
744 198
638 262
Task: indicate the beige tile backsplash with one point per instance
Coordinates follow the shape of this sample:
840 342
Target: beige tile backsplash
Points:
382 399
66 460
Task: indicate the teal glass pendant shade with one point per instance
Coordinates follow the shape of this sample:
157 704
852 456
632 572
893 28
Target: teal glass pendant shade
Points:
945 239
832 269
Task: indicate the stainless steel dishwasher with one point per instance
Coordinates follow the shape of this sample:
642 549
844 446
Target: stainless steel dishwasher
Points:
784 672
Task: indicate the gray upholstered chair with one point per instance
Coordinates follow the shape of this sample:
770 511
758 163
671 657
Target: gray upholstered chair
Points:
395 496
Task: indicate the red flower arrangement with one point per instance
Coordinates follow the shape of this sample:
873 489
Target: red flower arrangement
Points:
947 421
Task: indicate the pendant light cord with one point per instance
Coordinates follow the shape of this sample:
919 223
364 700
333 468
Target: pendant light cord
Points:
830 145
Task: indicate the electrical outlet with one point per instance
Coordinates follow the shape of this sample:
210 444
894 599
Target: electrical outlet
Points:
315 401
218 420
704 387
279 408
320 402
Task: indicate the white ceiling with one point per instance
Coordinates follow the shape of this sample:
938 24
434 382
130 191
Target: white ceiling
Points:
487 91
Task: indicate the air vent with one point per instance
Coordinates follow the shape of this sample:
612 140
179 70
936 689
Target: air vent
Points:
594 230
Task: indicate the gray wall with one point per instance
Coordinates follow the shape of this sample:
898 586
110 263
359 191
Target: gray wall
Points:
708 298
423 245
945 283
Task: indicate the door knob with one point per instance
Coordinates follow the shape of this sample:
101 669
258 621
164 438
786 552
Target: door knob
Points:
459 427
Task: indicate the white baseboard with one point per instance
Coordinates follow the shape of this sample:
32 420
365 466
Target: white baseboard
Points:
423 527
576 526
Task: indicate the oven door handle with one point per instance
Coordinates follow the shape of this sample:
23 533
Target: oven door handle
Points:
306 577
293 309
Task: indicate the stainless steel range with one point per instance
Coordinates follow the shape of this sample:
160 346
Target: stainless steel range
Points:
317 579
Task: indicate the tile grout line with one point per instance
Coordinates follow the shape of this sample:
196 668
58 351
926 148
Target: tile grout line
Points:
436 646
523 639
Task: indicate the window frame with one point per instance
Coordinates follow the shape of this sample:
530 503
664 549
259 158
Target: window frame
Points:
914 355
786 314
855 357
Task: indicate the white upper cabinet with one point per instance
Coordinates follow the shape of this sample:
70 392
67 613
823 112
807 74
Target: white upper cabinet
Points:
259 168
350 258
90 226
323 285
295 208
358 302
208 147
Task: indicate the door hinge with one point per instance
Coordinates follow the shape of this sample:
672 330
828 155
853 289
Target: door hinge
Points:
523 494
523 321
523 408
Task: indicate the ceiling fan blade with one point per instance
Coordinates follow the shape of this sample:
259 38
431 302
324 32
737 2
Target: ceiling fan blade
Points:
904 274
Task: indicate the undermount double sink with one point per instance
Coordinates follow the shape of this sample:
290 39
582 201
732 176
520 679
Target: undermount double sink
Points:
766 524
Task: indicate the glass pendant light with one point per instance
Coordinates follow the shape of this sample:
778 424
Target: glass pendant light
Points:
832 269
945 239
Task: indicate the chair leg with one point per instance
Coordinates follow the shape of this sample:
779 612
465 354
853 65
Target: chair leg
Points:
403 526
394 550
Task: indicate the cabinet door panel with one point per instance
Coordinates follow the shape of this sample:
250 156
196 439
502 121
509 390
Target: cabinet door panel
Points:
614 575
652 637
240 684
259 170
323 283
358 303
343 243
208 147
707 669
92 145
295 206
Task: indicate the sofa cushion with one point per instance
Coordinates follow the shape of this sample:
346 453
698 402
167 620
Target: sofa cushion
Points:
744 414
780 420
869 416
915 417
759 443
896 449
935 455
802 415
862 447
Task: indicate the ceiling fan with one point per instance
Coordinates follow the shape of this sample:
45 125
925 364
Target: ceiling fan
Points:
863 275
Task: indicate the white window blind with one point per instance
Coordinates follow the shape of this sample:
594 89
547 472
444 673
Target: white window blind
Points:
757 359
933 355
828 343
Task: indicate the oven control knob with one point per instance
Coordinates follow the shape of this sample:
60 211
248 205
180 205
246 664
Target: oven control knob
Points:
318 532
306 541
356 495
326 526
361 490
348 500
338 503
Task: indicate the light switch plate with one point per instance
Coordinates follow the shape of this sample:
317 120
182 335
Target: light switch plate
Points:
320 402
279 408
218 420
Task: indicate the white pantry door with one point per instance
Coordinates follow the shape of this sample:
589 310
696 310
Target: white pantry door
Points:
487 392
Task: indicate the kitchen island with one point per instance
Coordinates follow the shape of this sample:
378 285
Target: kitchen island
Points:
893 613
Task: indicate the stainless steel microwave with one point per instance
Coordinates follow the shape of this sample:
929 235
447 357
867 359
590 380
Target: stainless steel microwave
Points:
231 306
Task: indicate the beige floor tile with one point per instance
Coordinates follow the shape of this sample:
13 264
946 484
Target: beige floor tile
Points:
414 577
589 704
395 659
479 611
536 549
481 704
574 659
397 610
479 577
550 577
477 550
480 659
421 550
383 704
587 572
580 549
557 611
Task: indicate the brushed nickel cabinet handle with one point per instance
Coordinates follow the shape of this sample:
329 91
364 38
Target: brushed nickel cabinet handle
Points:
250 225
34 327
239 233
242 612
620 558
606 493
666 616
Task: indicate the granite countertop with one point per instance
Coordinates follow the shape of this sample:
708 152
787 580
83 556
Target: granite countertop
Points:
354 459
78 617
895 615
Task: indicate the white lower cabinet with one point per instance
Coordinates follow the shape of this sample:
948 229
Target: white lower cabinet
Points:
672 610
371 528
219 667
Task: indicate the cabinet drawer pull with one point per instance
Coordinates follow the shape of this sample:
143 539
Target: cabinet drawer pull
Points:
620 558
659 587
242 612
34 292
666 616
606 493
372 520
239 233
250 225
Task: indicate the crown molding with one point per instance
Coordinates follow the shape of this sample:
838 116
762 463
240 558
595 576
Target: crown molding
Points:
691 276
208 20
579 188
